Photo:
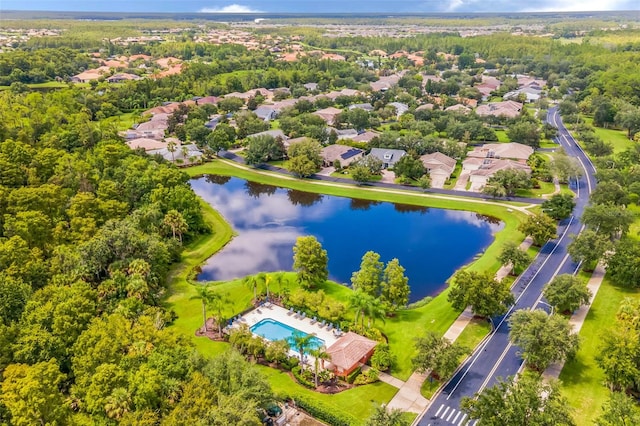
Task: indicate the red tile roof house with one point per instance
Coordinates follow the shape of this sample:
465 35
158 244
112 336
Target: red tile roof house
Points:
509 109
328 114
350 352
481 170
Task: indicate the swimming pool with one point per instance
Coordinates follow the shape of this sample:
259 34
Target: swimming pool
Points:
273 330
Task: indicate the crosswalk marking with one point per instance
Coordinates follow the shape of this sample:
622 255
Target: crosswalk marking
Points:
446 411
464 416
439 409
453 411
456 417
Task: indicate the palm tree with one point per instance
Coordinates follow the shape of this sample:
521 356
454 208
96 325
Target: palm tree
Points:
117 404
375 310
205 295
253 281
266 284
218 303
172 147
176 222
301 342
358 302
185 151
319 354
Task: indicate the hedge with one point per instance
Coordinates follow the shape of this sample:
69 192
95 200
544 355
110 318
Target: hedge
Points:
323 412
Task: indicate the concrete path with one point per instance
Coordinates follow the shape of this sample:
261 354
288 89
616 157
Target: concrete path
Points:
461 183
578 317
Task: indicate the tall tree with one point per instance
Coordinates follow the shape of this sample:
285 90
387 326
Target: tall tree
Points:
526 401
619 410
567 293
505 183
174 220
512 255
319 355
382 416
437 355
486 296
301 342
589 247
205 295
544 339
623 267
310 261
559 206
32 394
608 219
540 227
395 285
369 277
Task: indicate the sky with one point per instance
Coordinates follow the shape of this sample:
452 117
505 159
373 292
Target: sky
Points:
322 6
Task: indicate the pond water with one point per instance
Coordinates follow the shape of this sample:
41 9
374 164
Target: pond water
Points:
431 244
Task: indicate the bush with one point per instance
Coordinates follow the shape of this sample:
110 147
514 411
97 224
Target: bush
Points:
353 375
370 376
382 358
323 412
300 377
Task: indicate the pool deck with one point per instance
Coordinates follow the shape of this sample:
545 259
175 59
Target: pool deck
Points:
282 315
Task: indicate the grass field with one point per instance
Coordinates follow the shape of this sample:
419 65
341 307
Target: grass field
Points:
618 138
582 380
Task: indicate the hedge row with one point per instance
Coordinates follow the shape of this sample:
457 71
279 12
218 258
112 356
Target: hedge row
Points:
323 412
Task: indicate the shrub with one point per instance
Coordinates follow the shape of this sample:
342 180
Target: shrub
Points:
300 377
352 376
382 358
323 412
370 376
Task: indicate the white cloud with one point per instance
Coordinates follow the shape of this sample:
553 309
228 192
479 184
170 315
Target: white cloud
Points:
232 8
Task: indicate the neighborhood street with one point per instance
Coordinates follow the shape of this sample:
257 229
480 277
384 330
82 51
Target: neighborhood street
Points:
496 357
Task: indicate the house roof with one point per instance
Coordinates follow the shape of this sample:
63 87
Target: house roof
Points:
389 156
502 150
506 108
334 152
491 167
349 350
146 144
438 160
458 107
275 133
365 137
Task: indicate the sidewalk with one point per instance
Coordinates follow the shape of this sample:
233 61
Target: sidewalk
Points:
578 317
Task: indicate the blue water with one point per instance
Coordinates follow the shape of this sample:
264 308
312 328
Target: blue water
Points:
431 244
274 330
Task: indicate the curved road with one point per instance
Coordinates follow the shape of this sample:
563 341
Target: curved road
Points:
496 356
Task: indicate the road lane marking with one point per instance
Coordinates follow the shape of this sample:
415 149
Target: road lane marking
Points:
453 411
439 409
445 412
462 420
456 417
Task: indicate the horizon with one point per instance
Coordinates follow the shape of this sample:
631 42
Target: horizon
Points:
337 7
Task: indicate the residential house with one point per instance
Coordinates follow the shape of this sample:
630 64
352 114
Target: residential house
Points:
183 154
266 112
89 75
342 153
480 170
508 109
345 133
276 133
213 122
350 352
365 136
146 143
425 107
329 114
400 108
122 76
385 83
439 166
389 157
366 107
462 109
513 150
311 86
532 94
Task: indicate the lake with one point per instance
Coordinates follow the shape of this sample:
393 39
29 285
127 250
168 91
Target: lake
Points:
431 244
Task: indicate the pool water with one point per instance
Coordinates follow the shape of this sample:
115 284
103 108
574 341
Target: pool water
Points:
274 330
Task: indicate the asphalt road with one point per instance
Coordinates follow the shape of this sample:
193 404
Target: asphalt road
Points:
496 357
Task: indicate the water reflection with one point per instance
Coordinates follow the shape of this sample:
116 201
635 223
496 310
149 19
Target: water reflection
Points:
430 243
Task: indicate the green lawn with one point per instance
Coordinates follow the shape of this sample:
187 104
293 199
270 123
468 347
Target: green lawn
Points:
502 135
346 175
617 137
358 402
582 380
634 229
